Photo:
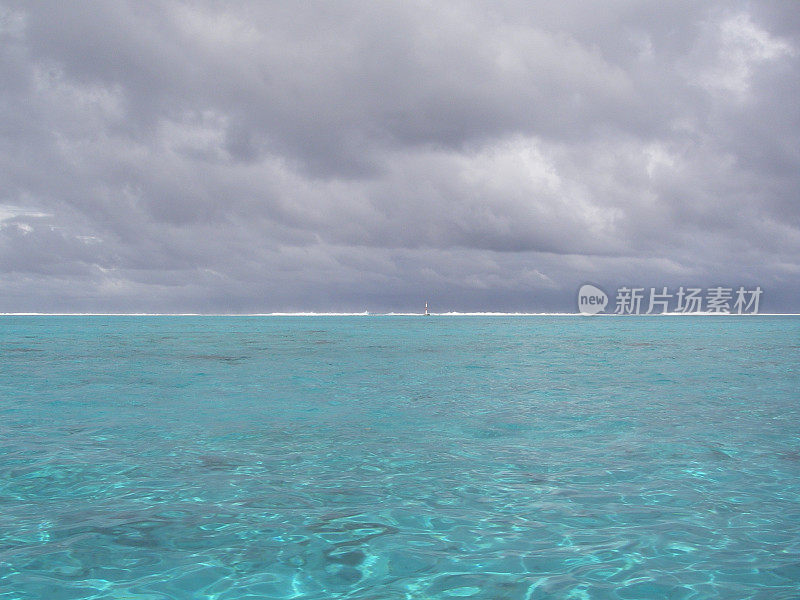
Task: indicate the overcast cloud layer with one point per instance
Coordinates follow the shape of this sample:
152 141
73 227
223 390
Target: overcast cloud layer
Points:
168 156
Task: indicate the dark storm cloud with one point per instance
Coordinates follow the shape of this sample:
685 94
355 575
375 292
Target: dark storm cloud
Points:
278 156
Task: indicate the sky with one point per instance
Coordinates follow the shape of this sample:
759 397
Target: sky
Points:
348 156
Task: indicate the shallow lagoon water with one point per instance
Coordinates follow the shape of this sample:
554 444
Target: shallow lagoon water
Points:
150 458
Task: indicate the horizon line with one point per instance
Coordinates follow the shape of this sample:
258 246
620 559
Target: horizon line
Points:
387 314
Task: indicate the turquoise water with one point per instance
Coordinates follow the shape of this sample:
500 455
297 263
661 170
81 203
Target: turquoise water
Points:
399 458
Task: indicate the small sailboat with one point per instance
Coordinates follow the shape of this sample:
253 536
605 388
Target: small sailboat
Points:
427 314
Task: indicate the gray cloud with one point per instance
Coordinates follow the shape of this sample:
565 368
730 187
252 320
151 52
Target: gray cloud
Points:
350 156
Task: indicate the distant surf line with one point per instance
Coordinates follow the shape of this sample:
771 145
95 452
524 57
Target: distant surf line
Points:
388 314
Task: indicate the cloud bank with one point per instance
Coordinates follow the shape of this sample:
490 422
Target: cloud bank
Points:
253 157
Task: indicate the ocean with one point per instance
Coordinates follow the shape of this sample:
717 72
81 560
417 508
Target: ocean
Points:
399 457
